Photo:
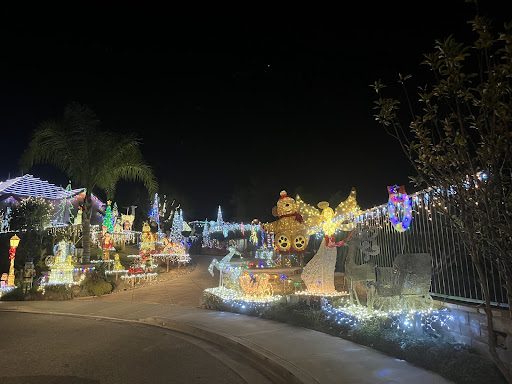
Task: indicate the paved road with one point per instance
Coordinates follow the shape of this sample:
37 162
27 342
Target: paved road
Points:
185 290
285 353
69 350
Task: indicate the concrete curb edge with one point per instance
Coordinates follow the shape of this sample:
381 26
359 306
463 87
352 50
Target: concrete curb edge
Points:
280 370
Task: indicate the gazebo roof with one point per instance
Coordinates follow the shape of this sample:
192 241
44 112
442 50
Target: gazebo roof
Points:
30 186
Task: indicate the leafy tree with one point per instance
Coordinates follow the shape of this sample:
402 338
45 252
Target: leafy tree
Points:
32 213
31 216
459 142
93 158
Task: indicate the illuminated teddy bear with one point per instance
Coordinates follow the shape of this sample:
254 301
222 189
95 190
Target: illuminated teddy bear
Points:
289 229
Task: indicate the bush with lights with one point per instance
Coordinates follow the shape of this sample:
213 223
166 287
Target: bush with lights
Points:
420 337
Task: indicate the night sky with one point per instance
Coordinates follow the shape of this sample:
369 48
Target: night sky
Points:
233 107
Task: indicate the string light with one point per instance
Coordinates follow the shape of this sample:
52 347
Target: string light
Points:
329 221
265 256
397 198
114 272
428 320
241 302
107 219
206 241
323 294
6 289
147 275
154 214
289 229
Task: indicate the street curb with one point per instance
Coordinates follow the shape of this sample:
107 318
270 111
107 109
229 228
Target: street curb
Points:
280 369
276 368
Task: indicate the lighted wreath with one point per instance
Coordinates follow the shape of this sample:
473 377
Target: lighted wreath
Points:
397 196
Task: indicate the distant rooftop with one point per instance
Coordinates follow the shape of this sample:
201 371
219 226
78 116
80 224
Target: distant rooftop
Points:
30 186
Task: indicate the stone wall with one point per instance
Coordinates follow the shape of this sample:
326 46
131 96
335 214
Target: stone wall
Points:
470 327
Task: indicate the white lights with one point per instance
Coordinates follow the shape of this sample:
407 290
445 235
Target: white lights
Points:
237 299
148 276
429 320
323 294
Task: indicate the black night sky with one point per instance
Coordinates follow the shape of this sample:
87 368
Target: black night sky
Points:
230 109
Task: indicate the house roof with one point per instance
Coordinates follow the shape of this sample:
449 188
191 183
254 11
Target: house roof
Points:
30 186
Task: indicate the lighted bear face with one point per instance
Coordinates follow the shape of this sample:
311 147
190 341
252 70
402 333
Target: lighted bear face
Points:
286 204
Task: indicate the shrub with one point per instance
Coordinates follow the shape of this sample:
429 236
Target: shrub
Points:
96 287
58 292
451 360
14 295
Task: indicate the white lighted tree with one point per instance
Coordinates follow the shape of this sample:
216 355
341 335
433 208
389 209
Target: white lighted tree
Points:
177 227
206 235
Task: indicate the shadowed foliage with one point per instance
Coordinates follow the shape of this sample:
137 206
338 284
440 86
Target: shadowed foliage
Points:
93 158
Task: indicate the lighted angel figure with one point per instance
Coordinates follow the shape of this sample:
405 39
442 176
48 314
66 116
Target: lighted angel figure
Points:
327 220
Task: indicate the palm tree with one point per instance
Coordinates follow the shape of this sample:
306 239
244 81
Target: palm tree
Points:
91 157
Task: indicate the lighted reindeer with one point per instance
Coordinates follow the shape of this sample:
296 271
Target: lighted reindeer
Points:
224 265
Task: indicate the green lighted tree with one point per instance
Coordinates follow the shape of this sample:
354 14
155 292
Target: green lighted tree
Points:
93 158
460 141
107 219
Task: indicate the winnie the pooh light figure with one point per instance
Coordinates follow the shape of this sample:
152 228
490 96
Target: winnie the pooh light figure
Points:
289 229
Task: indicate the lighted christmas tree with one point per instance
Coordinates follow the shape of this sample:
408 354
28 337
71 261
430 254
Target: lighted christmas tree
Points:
220 221
154 214
107 219
65 206
177 227
115 214
61 210
206 236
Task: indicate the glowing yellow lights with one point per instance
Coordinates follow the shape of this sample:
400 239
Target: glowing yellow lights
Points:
289 229
117 263
148 239
14 241
328 220
256 285
231 296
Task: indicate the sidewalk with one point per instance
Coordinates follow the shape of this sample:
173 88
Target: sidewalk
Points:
294 355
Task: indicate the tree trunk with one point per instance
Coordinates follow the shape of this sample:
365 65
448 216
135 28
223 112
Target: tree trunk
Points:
491 339
508 286
86 240
86 228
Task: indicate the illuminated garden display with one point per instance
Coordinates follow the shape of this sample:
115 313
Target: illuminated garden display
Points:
318 274
61 264
275 268
215 229
372 289
289 228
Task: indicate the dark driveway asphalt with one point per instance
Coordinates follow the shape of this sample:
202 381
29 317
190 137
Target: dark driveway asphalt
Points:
49 349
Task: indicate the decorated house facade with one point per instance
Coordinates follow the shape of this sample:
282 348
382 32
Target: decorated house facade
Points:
66 201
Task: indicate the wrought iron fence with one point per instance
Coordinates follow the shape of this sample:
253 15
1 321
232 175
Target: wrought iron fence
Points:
453 275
